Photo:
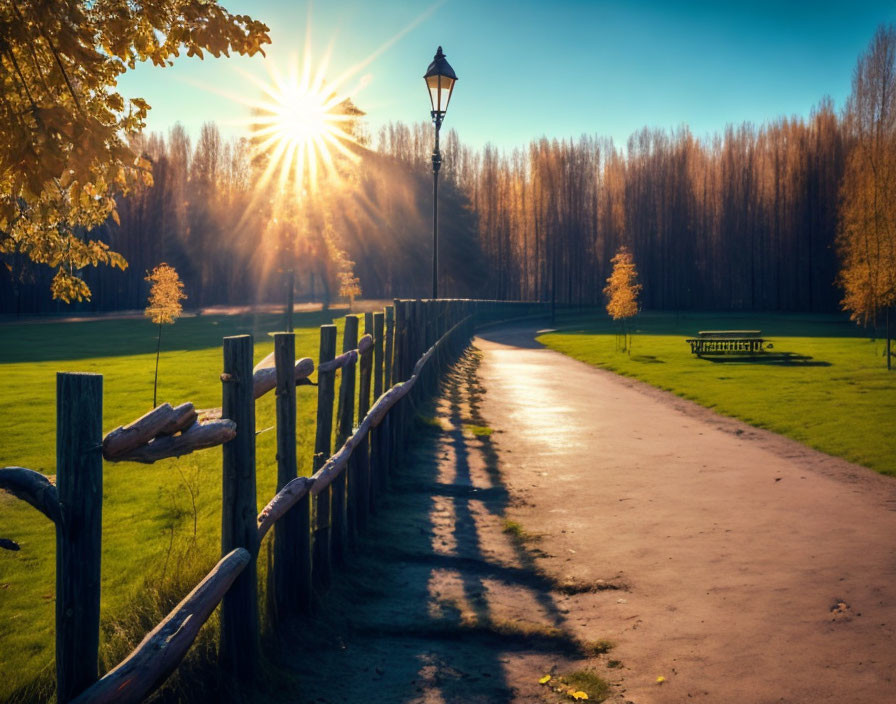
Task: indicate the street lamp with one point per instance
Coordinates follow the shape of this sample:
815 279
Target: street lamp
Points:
440 79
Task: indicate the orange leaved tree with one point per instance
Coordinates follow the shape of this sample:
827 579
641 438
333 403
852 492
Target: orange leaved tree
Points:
165 295
867 229
622 291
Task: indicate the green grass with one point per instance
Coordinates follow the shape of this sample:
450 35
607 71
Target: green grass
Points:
148 517
516 531
824 384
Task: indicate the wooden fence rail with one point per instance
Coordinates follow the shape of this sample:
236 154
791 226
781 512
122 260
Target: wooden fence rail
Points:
399 360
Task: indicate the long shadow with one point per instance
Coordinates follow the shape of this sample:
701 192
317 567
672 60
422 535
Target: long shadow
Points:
778 359
410 616
63 341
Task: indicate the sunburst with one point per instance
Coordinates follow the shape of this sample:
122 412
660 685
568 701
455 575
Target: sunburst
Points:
301 126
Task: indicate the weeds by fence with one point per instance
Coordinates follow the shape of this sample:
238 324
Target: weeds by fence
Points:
399 359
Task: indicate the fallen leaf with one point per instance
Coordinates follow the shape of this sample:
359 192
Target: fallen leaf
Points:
545 679
660 680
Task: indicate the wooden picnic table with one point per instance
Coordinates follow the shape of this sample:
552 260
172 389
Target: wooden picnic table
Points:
728 342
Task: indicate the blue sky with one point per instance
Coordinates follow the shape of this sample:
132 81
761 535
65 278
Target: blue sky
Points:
529 69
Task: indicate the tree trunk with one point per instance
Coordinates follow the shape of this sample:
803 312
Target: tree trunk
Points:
889 364
155 382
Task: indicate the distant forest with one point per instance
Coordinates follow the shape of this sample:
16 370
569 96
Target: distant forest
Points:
745 220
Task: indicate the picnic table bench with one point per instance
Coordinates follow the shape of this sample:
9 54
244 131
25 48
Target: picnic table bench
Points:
728 342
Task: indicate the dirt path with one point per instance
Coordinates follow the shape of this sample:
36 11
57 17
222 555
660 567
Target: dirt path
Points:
444 601
757 570
737 565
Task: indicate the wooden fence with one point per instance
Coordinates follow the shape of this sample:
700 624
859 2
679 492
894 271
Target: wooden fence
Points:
399 360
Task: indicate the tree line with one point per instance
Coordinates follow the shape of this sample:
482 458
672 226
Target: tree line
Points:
744 220
751 218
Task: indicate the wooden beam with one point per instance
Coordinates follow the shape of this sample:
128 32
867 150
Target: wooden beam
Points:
282 502
162 420
160 652
33 488
198 436
264 378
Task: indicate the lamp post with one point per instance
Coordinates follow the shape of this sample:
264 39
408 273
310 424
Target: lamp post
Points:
440 79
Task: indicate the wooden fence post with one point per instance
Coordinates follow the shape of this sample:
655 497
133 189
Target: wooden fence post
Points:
239 610
326 387
377 463
387 362
361 455
79 481
345 415
291 577
398 351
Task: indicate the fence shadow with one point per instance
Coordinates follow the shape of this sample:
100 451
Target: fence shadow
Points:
421 612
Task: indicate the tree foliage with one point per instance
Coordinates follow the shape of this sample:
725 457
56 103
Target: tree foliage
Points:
165 295
622 287
65 129
867 228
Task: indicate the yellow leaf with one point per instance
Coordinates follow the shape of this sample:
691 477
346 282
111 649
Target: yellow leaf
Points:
660 680
580 695
545 679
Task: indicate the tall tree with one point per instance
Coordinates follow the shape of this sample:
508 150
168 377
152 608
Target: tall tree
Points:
867 234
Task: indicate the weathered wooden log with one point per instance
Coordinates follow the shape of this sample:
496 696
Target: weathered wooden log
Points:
197 437
207 414
8 544
264 378
366 342
33 488
79 483
161 651
345 359
283 500
162 420
184 416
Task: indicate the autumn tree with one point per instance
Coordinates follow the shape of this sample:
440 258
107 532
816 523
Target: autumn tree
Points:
65 129
622 291
867 232
165 295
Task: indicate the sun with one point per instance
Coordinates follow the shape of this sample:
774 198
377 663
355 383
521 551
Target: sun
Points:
301 126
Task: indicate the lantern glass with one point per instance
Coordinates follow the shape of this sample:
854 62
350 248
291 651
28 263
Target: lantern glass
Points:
439 91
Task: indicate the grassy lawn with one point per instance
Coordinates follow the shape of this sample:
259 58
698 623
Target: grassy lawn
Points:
824 383
148 515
